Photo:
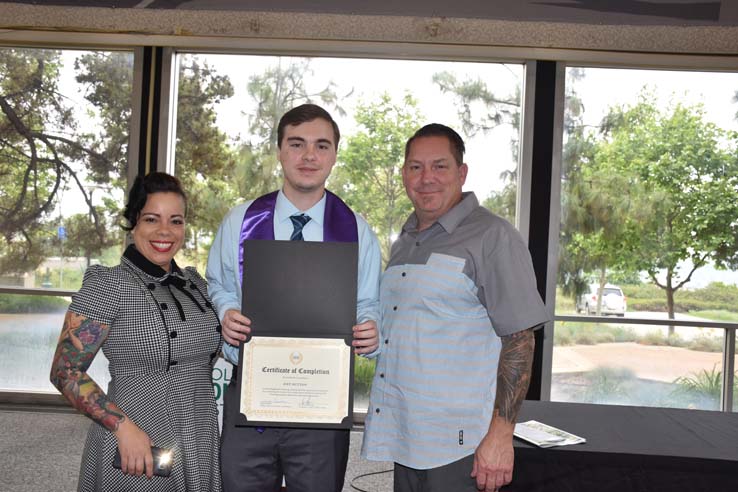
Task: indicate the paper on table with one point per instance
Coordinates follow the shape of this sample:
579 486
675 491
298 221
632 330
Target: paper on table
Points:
545 436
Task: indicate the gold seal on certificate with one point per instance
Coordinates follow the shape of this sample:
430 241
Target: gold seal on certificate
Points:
297 380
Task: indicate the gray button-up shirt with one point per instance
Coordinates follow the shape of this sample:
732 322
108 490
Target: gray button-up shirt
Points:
449 293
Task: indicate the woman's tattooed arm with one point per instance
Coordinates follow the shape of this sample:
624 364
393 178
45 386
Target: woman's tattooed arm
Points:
79 341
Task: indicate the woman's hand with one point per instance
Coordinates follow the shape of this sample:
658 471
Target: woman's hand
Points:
134 446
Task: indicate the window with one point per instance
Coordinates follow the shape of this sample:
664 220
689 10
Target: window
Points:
649 201
735 378
229 107
64 125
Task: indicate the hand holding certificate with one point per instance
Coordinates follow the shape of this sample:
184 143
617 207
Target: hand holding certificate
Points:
297 368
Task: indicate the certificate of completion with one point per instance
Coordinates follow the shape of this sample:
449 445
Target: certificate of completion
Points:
297 380
297 368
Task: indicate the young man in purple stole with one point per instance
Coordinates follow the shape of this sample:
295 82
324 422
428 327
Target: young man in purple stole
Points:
311 460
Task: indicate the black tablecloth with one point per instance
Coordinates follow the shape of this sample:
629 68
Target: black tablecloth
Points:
629 449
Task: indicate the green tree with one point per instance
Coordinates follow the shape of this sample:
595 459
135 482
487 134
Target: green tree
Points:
204 161
369 174
45 149
596 240
481 110
586 220
42 152
108 80
676 181
274 92
82 239
503 202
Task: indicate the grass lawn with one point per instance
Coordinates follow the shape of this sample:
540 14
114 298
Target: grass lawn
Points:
717 315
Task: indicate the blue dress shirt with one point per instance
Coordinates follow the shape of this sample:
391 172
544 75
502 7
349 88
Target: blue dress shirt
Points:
224 284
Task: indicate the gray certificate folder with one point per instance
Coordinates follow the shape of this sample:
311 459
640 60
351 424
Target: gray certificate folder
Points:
300 289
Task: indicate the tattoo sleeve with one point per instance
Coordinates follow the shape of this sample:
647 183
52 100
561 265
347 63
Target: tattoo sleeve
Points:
80 340
513 373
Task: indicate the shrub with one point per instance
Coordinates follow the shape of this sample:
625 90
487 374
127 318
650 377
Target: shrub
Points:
622 334
586 337
704 383
14 304
716 292
705 343
660 340
649 297
717 315
605 383
363 374
643 291
562 338
573 333
685 305
649 304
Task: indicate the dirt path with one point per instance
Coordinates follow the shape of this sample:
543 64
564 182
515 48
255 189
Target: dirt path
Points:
647 361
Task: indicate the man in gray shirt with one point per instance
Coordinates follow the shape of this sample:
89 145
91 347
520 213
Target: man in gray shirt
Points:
458 303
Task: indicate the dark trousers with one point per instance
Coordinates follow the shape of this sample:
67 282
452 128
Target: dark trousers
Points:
454 477
311 460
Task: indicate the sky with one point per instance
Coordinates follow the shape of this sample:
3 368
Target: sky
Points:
602 88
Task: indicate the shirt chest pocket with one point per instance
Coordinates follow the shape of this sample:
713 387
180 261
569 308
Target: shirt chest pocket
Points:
447 291
446 263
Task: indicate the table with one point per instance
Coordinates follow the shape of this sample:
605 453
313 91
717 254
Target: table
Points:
629 449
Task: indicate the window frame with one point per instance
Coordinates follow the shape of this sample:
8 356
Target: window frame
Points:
140 152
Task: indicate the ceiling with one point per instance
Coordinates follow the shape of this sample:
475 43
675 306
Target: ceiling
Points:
611 12
515 28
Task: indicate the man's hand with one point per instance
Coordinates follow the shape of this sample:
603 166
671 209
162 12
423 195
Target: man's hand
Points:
366 337
495 457
236 327
493 462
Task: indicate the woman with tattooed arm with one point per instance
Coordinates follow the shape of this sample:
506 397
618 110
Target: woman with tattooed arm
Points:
155 324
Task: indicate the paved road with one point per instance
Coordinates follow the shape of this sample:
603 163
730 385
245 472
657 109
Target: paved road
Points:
657 363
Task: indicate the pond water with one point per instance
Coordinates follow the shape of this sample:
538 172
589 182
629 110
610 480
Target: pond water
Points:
27 345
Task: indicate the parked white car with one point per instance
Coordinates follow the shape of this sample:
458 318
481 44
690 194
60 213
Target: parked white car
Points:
613 300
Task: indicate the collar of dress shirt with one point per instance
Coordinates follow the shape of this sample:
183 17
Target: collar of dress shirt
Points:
284 208
451 219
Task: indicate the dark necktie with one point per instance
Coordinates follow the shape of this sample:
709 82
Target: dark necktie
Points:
298 222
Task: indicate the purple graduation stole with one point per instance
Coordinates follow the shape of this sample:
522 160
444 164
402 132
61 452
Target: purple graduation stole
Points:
339 222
